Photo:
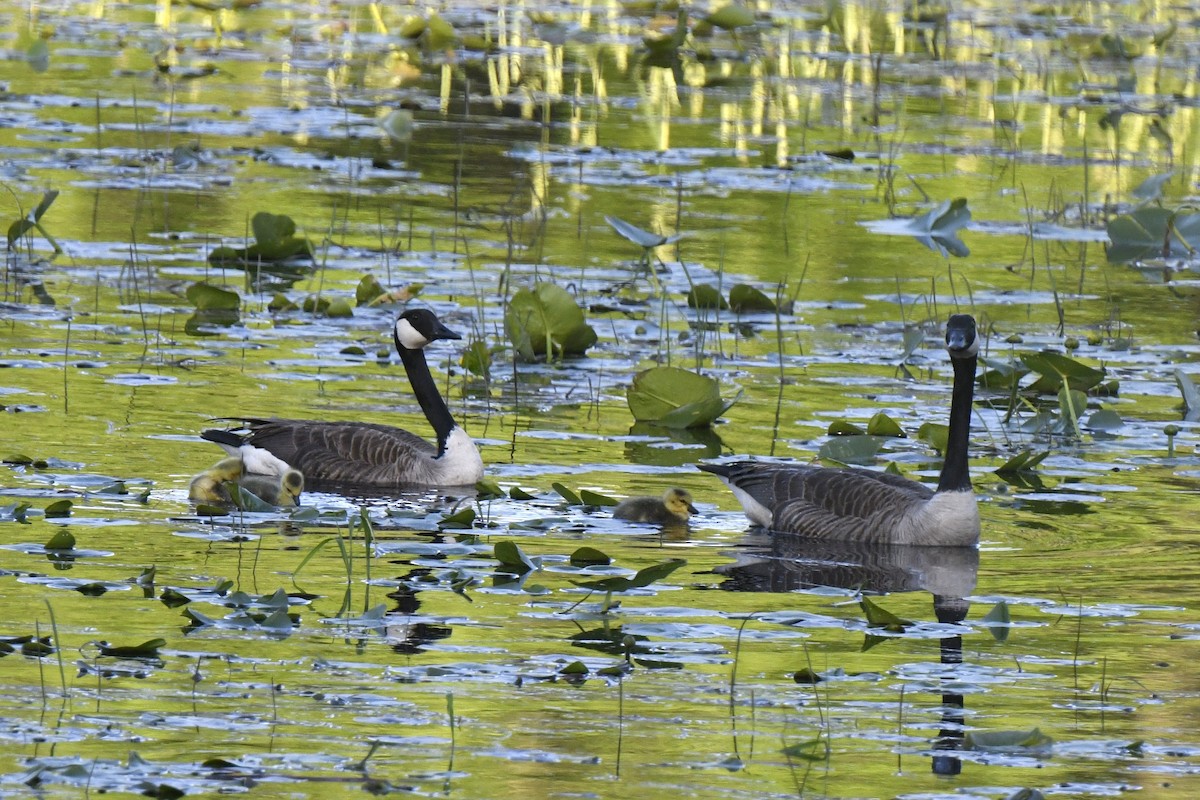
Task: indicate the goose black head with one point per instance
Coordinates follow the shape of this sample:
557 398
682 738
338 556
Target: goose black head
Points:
961 340
418 327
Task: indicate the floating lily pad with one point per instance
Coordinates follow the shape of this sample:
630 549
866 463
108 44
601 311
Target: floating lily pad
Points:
1025 461
676 398
590 498
642 238
746 299
206 297
63 540
731 16
644 577
706 296
1008 740
883 425
511 556
843 427
546 321
567 494
851 449
589 556
1152 232
937 229
147 649
1052 368
879 617
275 241
367 290
59 508
997 621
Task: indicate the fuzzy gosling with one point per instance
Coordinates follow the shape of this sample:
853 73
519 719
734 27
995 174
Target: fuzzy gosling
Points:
278 490
673 508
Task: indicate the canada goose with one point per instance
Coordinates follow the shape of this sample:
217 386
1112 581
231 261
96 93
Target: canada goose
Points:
862 505
363 454
278 490
673 508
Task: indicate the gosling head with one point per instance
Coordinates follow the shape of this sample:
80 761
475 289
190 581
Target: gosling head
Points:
290 487
679 502
418 327
961 339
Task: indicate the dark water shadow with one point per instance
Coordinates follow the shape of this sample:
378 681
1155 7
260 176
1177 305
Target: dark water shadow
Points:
775 562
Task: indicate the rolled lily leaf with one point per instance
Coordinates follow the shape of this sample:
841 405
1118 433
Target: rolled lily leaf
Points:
546 321
676 398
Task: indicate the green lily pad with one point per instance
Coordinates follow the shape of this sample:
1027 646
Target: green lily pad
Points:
676 398
745 299
59 508
1152 232
879 617
206 297
883 425
997 621
1024 461
488 488
567 494
851 449
546 321
731 16
1053 367
147 649
590 498
589 556
707 296
644 577
642 238
842 427
510 555
1007 740
367 290
63 540
463 518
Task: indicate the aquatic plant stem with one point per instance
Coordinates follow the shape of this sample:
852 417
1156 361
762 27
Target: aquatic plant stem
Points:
62 673
453 737
620 719
66 358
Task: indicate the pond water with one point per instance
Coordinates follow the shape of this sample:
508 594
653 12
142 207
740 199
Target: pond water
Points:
485 155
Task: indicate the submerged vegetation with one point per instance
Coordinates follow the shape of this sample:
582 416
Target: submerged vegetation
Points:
668 234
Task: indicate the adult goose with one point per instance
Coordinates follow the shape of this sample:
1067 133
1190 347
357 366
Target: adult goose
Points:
673 508
278 490
866 506
363 455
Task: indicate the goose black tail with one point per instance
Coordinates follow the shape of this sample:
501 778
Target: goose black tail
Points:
222 437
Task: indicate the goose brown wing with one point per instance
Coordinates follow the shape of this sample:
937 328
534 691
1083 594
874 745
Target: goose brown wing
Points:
345 452
854 504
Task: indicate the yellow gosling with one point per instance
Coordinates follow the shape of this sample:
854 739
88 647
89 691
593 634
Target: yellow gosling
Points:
209 487
673 508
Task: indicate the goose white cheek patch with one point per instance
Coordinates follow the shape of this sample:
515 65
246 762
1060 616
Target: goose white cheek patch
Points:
408 336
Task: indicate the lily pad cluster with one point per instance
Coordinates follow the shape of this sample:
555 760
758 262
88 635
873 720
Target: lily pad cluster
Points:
275 243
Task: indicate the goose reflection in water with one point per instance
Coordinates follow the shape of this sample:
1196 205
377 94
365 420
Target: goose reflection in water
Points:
775 562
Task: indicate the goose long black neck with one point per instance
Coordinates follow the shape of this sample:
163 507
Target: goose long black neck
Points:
956 475
427 393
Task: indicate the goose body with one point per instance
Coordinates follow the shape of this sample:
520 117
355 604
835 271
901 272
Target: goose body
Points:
673 508
866 506
210 487
367 455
